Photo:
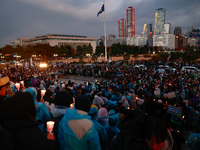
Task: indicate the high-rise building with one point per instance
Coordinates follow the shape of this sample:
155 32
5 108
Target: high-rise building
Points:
122 28
164 40
180 42
130 22
159 21
137 41
177 31
167 28
147 29
112 41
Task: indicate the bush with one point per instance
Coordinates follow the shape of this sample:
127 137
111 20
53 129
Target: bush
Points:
155 58
147 55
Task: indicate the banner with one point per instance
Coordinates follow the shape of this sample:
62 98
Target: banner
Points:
157 92
171 95
174 110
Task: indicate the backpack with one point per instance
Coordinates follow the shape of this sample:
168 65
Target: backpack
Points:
131 136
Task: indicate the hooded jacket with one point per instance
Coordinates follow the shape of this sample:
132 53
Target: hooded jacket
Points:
111 128
77 131
103 136
42 113
19 125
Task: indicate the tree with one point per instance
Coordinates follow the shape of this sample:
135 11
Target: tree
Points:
80 53
190 54
155 58
29 51
135 56
126 57
99 50
63 50
94 57
116 49
89 49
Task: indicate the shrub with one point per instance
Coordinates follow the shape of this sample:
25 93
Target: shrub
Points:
155 58
147 55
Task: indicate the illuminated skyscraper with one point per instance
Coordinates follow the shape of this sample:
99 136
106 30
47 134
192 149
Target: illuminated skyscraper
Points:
159 21
122 28
147 29
130 22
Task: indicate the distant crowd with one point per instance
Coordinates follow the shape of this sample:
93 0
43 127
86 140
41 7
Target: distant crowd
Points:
131 108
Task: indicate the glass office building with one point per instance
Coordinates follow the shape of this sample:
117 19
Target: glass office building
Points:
159 21
147 29
130 22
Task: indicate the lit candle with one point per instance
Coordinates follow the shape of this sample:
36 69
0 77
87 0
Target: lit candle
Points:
22 82
71 106
17 86
50 125
43 92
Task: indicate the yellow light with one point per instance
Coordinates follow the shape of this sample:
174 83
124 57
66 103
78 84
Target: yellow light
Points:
43 65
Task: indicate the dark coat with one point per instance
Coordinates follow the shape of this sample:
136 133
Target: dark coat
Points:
22 135
18 129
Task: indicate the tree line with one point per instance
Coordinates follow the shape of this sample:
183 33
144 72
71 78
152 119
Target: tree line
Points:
46 51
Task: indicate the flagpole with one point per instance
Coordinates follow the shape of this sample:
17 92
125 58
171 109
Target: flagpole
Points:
105 31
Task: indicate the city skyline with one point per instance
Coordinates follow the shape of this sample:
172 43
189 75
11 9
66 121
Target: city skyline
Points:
27 18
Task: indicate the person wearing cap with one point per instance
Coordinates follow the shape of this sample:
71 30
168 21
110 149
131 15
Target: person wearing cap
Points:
76 130
3 82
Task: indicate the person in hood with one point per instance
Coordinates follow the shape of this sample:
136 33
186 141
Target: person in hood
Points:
133 102
98 100
124 102
42 113
103 116
103 136
195 101
76 130
19 129
111 128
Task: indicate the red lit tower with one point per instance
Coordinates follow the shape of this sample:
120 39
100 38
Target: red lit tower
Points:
122 28
130 22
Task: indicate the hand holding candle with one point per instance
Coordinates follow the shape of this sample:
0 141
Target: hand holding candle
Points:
43 93
50 125
22 82
71 105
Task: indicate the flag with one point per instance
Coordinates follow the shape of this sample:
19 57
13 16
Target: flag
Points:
100 58
109 59
169 56
31 61
26 65
100 11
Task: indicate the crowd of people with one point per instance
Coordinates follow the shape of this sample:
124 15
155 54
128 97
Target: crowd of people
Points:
128 111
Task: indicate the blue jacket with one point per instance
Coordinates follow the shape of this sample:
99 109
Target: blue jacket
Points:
42 112
111 128
103 136
69 140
